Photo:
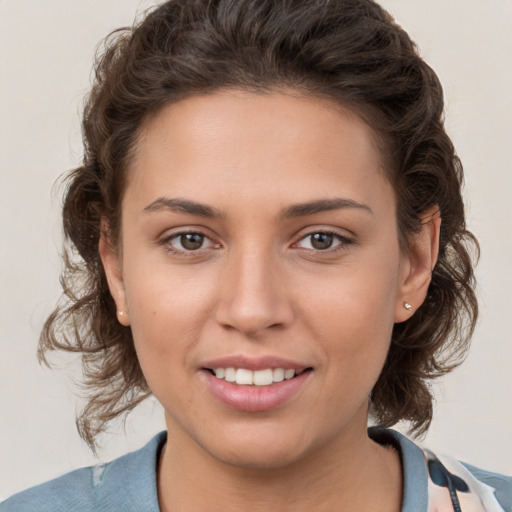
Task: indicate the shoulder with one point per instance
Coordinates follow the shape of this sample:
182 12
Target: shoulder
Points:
71 491
437 482
127 483
475 489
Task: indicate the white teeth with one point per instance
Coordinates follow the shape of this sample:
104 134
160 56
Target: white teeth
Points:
244 377
230 375
288 374
263 377
278 374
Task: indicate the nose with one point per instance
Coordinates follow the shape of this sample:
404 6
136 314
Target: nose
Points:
252 293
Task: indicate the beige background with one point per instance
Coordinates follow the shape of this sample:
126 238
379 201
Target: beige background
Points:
46 51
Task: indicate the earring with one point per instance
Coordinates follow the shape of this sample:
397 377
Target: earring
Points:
123 318
407 306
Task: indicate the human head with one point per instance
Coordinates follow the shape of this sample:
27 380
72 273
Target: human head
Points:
350 51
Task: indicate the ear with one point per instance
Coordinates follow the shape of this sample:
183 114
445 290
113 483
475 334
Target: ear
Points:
112 265
417 265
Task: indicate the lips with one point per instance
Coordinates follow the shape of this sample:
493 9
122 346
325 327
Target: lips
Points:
255 363
243 376
254 385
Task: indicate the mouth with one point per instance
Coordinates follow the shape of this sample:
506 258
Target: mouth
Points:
263 377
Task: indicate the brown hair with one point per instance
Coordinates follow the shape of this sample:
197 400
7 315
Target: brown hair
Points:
348 50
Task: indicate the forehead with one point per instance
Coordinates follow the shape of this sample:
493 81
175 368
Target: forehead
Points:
259 147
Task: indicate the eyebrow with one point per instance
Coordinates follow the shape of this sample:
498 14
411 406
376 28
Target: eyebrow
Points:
187 206
322 205
183 206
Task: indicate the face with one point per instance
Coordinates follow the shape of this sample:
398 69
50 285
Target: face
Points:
259 244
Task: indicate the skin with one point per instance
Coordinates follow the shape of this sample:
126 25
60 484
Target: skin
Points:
256 287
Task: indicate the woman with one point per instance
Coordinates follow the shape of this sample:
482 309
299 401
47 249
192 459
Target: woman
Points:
272 242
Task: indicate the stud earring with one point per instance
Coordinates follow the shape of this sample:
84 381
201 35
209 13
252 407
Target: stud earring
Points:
407 306
123 318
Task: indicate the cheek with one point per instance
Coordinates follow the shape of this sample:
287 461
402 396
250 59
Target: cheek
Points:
352 316
158 292
168 310
356 298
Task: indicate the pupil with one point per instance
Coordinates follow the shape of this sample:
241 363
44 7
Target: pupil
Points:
321 240
192 241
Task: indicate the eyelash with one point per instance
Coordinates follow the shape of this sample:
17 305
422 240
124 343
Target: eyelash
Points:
166 242
343 242
342 245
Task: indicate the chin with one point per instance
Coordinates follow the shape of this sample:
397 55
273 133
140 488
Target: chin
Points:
260 458
266 449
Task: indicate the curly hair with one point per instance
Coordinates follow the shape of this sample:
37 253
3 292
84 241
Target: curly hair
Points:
351 51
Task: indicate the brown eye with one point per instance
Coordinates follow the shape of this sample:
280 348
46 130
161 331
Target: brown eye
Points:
188 243
191 241
321 241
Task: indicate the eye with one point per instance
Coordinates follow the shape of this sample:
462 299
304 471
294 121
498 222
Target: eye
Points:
322 241
188 242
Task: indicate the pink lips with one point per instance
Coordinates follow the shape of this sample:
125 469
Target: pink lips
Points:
254 363
254 398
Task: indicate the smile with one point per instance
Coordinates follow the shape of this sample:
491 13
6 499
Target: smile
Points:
245 377
255 390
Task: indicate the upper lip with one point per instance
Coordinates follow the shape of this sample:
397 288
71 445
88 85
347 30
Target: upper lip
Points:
255 363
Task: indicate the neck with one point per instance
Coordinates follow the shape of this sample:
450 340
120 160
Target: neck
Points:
354 473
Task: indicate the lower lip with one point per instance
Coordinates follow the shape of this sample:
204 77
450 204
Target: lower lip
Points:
255 398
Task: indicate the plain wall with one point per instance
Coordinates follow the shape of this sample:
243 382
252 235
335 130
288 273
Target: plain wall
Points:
46 51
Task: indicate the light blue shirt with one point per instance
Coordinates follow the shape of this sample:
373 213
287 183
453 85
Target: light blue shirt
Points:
128 484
